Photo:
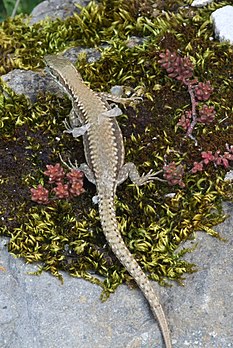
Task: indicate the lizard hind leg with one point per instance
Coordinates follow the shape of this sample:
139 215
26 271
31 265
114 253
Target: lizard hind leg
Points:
130 170
83 168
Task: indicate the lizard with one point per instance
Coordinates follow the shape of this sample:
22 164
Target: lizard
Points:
95 120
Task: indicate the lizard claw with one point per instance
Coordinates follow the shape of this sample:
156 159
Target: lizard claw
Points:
69 165
149 177
113 111
76 131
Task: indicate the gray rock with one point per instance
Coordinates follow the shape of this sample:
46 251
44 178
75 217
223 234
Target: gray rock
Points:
56 9
92 54
229 175
31 83
38 311
202 312
41 312
223 23
201 3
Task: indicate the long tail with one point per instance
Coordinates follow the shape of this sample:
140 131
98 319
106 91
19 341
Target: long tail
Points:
116 242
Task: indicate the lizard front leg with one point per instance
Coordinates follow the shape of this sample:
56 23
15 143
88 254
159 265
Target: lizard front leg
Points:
74 120
113 111
76 131
125 101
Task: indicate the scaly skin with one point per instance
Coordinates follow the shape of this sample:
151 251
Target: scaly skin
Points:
104 152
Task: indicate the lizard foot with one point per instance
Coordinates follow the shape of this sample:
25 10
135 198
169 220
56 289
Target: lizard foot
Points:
69 165
149 177
129 169
114 111
76 131
83 167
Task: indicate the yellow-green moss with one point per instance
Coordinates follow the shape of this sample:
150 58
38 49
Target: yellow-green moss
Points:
66 235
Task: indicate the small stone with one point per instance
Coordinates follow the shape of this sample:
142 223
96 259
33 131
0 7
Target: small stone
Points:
117 91
201 3
223 23
229 176
30 82
56 9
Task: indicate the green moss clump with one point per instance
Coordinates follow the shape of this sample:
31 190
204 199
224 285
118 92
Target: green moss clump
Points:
66 235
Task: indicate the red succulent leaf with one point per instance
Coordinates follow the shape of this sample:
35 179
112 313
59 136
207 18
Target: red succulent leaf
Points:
55 173
75 175
176 66
228 156
207 157
76 188
40 195
61 190
185 120
174 174
197 167
207 114
203 90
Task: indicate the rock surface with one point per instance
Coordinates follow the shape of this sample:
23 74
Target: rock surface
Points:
38 311
223 23
30 83
56 9
201 3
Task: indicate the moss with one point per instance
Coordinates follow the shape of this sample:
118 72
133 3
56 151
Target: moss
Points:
66 235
